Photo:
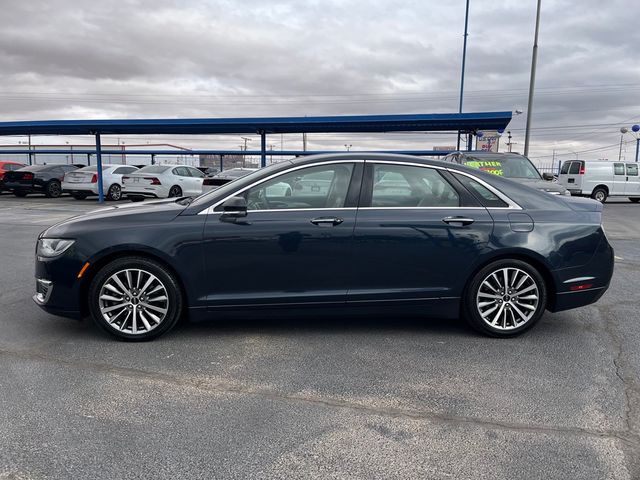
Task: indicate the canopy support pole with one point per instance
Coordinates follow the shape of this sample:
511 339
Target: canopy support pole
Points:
99 166
263 149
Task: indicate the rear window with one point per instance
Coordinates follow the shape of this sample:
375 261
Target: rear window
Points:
37 168
575 168
154 169
508 166
565 168
92 168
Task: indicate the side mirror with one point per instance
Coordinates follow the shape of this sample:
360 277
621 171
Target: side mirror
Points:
234 207
547 176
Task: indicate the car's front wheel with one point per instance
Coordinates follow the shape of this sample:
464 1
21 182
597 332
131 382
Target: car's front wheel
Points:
505 298
135 299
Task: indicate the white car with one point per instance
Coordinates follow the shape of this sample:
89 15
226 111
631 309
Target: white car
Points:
83 182
163 181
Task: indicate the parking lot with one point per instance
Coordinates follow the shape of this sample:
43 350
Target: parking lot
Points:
337 398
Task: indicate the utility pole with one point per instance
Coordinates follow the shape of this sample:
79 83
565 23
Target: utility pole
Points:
304 142
464 58
244 156
509 142
532 81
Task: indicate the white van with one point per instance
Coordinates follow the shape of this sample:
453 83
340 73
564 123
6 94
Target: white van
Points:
600 179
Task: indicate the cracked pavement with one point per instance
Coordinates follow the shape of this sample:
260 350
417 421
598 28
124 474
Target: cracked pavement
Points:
317 398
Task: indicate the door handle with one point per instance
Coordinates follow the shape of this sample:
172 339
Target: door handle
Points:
327 221
458 221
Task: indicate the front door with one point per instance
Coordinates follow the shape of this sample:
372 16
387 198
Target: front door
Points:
619 179
294 245
417 236
632 185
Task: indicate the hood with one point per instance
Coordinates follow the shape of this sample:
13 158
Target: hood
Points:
544 185
134 214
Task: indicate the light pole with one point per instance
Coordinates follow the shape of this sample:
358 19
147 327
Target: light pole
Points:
532 81
635 129
464 58
348 147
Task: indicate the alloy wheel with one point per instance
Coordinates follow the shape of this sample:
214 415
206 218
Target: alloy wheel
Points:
507 298
54 189
175 191
133 301
115 193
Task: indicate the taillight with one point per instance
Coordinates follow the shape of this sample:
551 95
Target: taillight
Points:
154 180
27 176
124 177
94 178
582 169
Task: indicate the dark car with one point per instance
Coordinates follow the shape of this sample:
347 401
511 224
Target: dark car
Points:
390 233
7 167
211 182
45 179
509 165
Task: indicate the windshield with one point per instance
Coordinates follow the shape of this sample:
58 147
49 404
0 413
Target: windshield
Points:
154 169
512 166
93 168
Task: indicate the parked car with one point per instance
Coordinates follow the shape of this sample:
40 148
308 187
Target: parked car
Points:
453 241
7 167
45 179
163 181
509 165
84 181
211 182
600 179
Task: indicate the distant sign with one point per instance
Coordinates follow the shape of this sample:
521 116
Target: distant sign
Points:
447 148
488 142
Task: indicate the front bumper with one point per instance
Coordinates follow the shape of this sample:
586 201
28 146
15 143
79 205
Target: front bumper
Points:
57 286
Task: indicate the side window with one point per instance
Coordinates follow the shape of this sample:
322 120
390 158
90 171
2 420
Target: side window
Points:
121 171
618 168
195 172
632 169
323 186
565 168
574 169
485 196
181 171
411 186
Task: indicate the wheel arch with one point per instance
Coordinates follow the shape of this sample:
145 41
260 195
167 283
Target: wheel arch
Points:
602 186
524 256
96 265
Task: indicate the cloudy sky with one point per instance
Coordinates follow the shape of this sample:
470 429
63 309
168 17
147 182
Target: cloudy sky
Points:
170 58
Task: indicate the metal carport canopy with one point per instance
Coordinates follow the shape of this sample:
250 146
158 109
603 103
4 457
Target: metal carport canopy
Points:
463 122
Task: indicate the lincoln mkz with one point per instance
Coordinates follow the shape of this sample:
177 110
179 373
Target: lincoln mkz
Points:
333 233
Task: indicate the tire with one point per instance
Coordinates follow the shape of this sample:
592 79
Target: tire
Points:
53 189
20 193
175 191
600 194
634 199
152 319
509 317
114 193
79 196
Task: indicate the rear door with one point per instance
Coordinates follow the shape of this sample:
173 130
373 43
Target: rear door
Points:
196 178
619 183
574 179
632 185
418 234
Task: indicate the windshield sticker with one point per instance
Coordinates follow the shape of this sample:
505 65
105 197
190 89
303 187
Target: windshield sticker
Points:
492 167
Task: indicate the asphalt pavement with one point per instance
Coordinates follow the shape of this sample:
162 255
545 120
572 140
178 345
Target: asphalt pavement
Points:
393 398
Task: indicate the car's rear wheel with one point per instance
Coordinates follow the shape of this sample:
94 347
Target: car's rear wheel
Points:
175 191
20 193
79 196
135 299
53 189
505 298
115 192
600 194
634 199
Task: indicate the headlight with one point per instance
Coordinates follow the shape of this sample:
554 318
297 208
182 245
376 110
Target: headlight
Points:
52 247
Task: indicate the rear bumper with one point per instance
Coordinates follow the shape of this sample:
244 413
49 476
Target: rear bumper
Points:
584 285
25 187
88 188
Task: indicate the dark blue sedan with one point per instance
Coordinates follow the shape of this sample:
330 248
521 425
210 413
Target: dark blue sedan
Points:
335 233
